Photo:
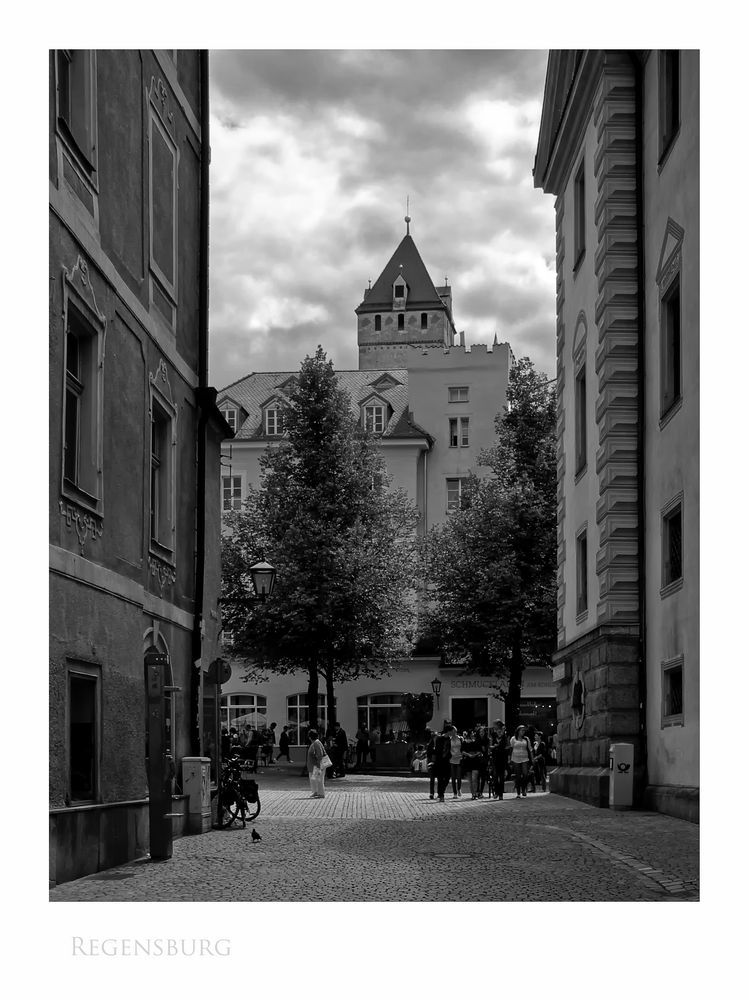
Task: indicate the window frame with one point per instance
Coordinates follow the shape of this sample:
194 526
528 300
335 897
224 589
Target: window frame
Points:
671 347
81 312
401 322
453 393
378 323
230 415
370 703
296 704
458 432
581 415
669 583
239 477
460 480
90 673
242 703
425 321
163 291
582 575
161 404
579 216
379 414
669 102
278 421
669 668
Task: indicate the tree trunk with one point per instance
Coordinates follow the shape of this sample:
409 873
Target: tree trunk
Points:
512 704
330 693
313 689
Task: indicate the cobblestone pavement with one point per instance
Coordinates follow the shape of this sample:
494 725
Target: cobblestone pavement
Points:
382 839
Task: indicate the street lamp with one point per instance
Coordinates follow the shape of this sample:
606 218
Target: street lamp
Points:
437 687
263 577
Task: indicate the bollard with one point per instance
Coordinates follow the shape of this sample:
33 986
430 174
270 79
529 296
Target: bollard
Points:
621 775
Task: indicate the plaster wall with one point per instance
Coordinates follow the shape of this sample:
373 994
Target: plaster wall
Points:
672 443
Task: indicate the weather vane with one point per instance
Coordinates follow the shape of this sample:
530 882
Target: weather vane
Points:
408 218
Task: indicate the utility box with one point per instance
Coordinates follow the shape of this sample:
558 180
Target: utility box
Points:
196 784
621 775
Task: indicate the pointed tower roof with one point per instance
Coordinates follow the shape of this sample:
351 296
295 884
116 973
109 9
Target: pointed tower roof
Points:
406 262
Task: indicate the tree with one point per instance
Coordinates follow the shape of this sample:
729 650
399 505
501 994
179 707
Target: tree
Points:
492 565
342 543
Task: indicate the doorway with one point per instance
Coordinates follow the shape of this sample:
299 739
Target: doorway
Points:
467 713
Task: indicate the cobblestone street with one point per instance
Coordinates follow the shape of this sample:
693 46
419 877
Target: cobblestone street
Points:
382 839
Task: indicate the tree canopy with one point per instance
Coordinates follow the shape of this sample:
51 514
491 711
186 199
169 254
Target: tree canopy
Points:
342 542
492 565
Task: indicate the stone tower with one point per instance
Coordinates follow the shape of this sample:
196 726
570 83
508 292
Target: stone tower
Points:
403 309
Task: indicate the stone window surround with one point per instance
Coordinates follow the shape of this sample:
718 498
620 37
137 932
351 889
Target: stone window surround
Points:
666 510
90 670
84 164
161 402
667 666
581 615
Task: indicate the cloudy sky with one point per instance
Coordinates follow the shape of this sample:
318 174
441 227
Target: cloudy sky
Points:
313 154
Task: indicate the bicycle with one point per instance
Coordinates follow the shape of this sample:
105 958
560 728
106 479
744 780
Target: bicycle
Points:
237 793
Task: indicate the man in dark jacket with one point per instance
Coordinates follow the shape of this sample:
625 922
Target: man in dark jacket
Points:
441 761
339 747
500 753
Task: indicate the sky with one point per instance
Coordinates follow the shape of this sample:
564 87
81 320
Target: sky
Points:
313 155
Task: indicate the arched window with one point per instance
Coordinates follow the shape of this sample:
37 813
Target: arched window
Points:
424 321
381 711
401 321
378 323
244 710
298 720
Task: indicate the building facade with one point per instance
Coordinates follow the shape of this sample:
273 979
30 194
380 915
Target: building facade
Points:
134 447
619 149
432 403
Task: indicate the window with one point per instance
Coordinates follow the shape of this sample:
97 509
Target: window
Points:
82 404
454 493
669 99
163 159
671 347
672 698
672 545
231 490
401 321
457 394
581 546
76 104
381 711
424 321
378 323
230 416
458 432
374 419
298 720
400 291
83 734
274 421
579 214
244 710
581 423
162 471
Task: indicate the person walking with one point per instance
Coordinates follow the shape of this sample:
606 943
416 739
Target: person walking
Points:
283 745
521 756
339 748
483 738
471 762
442 762
374 742
456 756
499 753
362 746
539 759
315 754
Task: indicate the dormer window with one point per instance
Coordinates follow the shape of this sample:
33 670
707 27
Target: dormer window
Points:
274 421
400 291
374 418
229 414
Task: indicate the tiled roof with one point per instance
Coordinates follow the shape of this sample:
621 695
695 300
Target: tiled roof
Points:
254 390
421 290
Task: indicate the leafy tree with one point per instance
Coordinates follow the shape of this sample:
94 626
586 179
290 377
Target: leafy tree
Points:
418 709
342 542
492 565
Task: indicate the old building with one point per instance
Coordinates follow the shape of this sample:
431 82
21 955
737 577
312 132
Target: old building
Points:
619 149
134 446
432 402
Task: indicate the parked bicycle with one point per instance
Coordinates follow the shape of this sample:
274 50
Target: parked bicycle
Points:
237 793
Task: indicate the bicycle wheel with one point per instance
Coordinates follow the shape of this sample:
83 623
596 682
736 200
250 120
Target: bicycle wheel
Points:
248 808
230 812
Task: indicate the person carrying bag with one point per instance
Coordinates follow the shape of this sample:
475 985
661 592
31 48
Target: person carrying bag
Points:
316 757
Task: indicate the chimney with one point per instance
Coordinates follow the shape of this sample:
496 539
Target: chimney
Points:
462 336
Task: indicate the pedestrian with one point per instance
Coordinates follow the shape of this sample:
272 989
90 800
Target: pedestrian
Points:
315 755
374 742
499 753
530 735
521 759
362 746
270 742
441 762
283 745
456 756
483 738
339 748
539 759
471 761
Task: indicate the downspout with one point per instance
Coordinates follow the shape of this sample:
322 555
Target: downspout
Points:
639 196
197 635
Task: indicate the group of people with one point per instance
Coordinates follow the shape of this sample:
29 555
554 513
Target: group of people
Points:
487 758
248 742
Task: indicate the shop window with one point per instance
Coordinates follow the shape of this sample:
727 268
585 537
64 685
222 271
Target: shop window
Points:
298 720
244 711
382 711
83 733
672 702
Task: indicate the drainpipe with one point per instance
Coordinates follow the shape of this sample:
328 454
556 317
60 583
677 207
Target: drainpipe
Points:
200 506
639 195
